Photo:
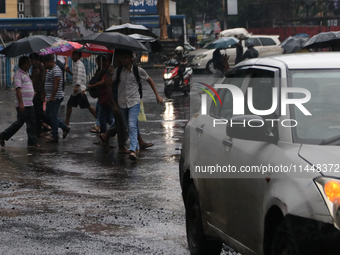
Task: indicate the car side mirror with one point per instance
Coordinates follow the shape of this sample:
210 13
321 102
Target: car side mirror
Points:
250 127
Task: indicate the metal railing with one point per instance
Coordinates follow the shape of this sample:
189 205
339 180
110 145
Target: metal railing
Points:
8 67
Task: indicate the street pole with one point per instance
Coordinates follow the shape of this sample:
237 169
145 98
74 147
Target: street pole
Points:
224 16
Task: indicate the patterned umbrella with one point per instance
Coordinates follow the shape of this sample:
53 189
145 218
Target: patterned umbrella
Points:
60 46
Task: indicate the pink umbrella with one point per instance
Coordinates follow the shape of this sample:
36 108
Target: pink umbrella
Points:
76 46
60 46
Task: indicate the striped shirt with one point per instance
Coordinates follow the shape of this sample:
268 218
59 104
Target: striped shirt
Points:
50 75
79 75
23 81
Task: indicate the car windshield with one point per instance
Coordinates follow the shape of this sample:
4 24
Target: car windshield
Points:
324 105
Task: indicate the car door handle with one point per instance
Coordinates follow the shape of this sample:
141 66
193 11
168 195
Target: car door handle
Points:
199 129
227 143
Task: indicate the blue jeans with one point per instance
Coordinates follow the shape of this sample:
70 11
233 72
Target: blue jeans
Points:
52 108
130 117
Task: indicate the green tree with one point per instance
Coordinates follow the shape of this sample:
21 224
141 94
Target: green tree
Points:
191 9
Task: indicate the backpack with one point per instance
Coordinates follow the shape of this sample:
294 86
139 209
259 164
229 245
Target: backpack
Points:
218 60
253 53
116 82
94 92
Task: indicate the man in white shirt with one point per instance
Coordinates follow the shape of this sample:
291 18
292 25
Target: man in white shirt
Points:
129 95
78 97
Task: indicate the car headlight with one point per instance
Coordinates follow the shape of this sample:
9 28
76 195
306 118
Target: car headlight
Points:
198 57
167 75
330 190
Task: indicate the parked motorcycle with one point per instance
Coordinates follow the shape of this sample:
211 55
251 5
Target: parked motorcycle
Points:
172 81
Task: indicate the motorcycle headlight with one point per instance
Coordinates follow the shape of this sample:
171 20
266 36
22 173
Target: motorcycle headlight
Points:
167 75
330 190
198 57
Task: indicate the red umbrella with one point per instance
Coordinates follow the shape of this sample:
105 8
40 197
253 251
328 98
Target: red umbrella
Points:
61 2
96 47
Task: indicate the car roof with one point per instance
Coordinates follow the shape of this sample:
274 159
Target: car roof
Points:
312 60
269 36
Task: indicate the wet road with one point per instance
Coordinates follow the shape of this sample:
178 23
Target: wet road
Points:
78 197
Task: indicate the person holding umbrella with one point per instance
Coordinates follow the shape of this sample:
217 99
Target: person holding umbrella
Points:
38 78
129 97
24 105
239 52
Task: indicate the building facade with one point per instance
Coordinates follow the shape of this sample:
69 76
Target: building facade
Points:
8 9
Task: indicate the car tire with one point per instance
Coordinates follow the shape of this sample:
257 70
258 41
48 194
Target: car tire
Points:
197 241
282 241
210 66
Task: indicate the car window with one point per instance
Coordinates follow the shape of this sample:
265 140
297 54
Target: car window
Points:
262 82
324 105
254 40
267 41
225 110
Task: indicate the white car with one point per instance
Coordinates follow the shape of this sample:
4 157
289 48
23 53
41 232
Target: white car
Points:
258 172
266 45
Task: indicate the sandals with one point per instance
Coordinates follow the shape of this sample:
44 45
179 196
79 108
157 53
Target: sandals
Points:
46 128
106 143
123 151
65 132
132 155
95 129
51 140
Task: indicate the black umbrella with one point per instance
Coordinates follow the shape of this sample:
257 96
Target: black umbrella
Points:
150 43
27 45
129 29
294 43
114 40
323 40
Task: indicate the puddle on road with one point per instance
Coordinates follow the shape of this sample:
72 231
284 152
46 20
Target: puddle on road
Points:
104 229
11 213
